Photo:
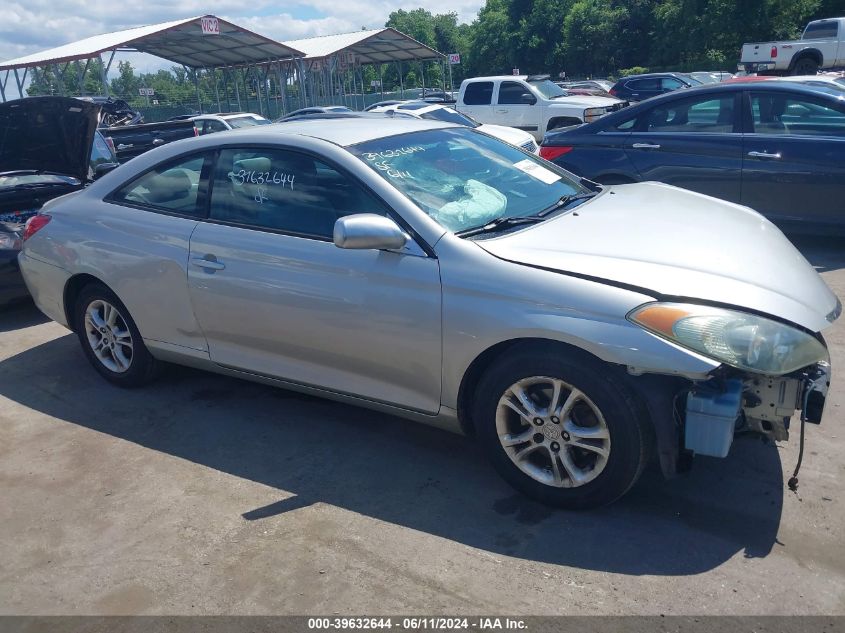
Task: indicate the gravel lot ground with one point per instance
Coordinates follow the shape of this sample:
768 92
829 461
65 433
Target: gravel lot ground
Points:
207 495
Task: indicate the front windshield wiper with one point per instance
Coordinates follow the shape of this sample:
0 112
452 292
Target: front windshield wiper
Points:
564 202
499 224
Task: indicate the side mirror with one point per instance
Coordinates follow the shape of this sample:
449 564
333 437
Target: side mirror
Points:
528 98
368 231
103 168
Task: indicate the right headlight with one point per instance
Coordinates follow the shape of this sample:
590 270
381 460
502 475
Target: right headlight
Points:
739 339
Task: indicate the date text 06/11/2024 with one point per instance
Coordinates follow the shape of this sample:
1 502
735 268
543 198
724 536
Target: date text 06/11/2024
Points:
417 623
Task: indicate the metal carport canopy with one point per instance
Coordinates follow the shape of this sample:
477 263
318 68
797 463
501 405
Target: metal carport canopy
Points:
185 42
378 46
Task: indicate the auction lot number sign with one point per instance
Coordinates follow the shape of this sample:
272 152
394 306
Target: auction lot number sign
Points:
210 26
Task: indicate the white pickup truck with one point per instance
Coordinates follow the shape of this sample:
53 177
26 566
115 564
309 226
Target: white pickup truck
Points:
530 103
822 46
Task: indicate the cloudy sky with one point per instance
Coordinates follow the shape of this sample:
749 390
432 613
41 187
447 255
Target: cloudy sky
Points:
33 25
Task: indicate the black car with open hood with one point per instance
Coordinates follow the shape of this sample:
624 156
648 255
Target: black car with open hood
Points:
45 152
45 146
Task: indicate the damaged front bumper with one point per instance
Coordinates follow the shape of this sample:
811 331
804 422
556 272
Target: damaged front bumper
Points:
719 408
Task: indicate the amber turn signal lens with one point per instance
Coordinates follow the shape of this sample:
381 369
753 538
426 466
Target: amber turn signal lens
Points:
660 318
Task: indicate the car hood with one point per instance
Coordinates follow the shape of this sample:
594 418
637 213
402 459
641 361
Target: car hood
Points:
52 134
509 134
585 101
677 244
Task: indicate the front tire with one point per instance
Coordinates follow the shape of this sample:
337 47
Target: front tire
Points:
110 339
562 429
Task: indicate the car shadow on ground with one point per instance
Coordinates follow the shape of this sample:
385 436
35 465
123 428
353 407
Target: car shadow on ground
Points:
824 253
317 451
19 315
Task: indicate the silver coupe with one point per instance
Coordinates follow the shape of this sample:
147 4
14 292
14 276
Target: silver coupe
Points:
436 273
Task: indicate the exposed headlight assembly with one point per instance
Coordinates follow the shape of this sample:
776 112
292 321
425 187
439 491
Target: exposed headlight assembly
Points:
739 339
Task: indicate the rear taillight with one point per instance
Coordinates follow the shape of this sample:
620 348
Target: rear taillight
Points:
774 51
110 143
612 91
196 131
35 224
550 153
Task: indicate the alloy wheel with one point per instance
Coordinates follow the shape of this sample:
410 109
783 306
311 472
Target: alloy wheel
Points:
109 336
552 432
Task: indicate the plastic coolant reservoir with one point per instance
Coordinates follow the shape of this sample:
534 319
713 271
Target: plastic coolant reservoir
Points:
711 419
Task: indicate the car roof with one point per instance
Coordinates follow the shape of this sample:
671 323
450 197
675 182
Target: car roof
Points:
507 77
348 130
652 75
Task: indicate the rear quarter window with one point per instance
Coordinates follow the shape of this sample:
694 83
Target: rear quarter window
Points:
479 93
172 187
821 30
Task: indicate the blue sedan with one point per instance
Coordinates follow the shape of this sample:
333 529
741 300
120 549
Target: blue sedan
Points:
776 147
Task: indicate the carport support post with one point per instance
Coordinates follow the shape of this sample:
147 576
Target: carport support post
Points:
3 86
104 73
401 80
82 75
257 78
216 90
267 94
283 87
196 74
381 80
237 91
19 82
303 95
245 76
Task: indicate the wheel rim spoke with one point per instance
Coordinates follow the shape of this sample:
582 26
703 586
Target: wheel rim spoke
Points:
516 406
509 440
524 400
558 477
586 432
585 445
557 386
575 474
571 399
530 450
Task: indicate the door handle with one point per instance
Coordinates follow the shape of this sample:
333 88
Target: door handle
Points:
501 111
645 146
208 264
158 141
763 155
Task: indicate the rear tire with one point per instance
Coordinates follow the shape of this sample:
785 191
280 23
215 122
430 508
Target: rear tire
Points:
110 339
561 428
805 66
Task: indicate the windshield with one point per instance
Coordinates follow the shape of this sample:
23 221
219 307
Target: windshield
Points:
449 116
246 121
464 179
548 89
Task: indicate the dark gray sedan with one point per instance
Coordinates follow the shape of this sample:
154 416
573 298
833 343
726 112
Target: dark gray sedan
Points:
776 147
